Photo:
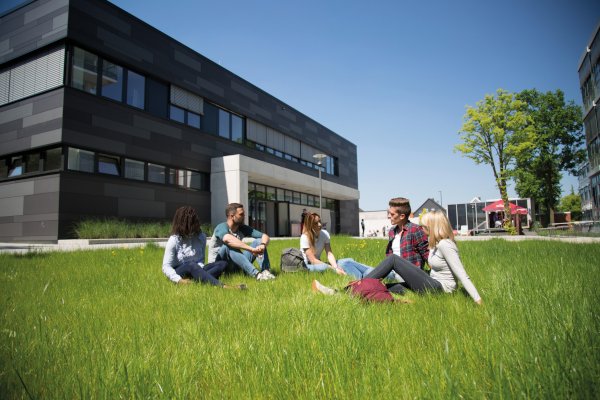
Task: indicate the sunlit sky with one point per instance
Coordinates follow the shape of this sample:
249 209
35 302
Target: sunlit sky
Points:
393 77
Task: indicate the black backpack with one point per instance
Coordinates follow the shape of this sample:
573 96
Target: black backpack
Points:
292 260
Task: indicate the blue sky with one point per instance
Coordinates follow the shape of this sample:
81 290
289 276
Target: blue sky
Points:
393 77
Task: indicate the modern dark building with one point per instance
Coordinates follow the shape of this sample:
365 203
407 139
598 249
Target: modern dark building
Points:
589 80
102 115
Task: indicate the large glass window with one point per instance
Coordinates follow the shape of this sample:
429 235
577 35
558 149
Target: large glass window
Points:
32 162
156 173
112 81
3 168
134 169
80 160
109 165
237 129
136 85
53 159
84 74
224 123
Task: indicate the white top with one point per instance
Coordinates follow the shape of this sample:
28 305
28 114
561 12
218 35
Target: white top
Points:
180 250
320 243
396 244
446 266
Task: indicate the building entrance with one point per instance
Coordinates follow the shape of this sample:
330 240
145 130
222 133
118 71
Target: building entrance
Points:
270 217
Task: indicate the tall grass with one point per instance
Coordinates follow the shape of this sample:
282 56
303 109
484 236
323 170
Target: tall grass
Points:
111 228
107 324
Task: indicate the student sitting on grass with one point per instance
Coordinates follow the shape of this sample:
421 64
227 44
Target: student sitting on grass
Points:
312 242
183 261
443 259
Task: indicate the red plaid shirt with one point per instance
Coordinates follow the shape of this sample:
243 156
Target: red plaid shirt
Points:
414 246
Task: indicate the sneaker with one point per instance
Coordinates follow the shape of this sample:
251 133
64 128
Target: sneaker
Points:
264 276
268 273
318 287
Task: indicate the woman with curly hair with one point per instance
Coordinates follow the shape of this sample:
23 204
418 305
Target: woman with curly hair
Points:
183 261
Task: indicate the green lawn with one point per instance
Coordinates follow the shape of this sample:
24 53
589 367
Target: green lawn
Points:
108 324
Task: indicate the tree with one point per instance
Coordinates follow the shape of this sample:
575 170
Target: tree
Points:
556 146
572 203
494 132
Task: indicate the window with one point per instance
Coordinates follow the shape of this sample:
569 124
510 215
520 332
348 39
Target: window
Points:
85 67
195 180
32 162
109 165
177 114
237 129
112 81
134 169
53 159
3 168
44 72
193 119
224 123
156 173
80 160
171 175
16 166
135 89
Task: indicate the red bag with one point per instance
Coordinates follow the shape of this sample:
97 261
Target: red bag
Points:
370 289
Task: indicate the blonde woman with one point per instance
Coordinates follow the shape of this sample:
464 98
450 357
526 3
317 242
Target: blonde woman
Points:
444 260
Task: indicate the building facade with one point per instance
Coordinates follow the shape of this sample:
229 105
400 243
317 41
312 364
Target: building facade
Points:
589 80
102 115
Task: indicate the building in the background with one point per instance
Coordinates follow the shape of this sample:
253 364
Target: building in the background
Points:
429 205
102 115
589 79
471 216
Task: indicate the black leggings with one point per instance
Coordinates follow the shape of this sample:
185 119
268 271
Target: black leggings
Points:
415 278
208 274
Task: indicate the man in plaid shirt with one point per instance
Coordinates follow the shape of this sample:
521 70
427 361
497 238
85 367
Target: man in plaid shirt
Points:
406 239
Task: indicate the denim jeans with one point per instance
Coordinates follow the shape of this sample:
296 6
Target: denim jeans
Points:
360 271
317 267
354 268
208 274
244 259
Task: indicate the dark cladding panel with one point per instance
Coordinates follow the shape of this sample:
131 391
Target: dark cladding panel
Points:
32 27
133 208
44 203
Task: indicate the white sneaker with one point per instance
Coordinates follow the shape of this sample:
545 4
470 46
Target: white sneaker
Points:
318 287
264 276
269 274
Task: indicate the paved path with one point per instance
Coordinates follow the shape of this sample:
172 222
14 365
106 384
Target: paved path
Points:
93 244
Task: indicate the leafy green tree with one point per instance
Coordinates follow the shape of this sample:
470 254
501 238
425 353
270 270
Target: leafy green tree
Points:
556 146
494 132
572 203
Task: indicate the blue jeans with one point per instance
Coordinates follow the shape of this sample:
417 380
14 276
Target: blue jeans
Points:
208 274
354 268
360 271
317 267
244 259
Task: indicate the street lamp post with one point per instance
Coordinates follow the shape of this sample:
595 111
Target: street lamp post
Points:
319 157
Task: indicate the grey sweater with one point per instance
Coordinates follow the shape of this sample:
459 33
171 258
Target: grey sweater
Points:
446 266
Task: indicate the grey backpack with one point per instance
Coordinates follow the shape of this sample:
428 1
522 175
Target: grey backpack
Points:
292 260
